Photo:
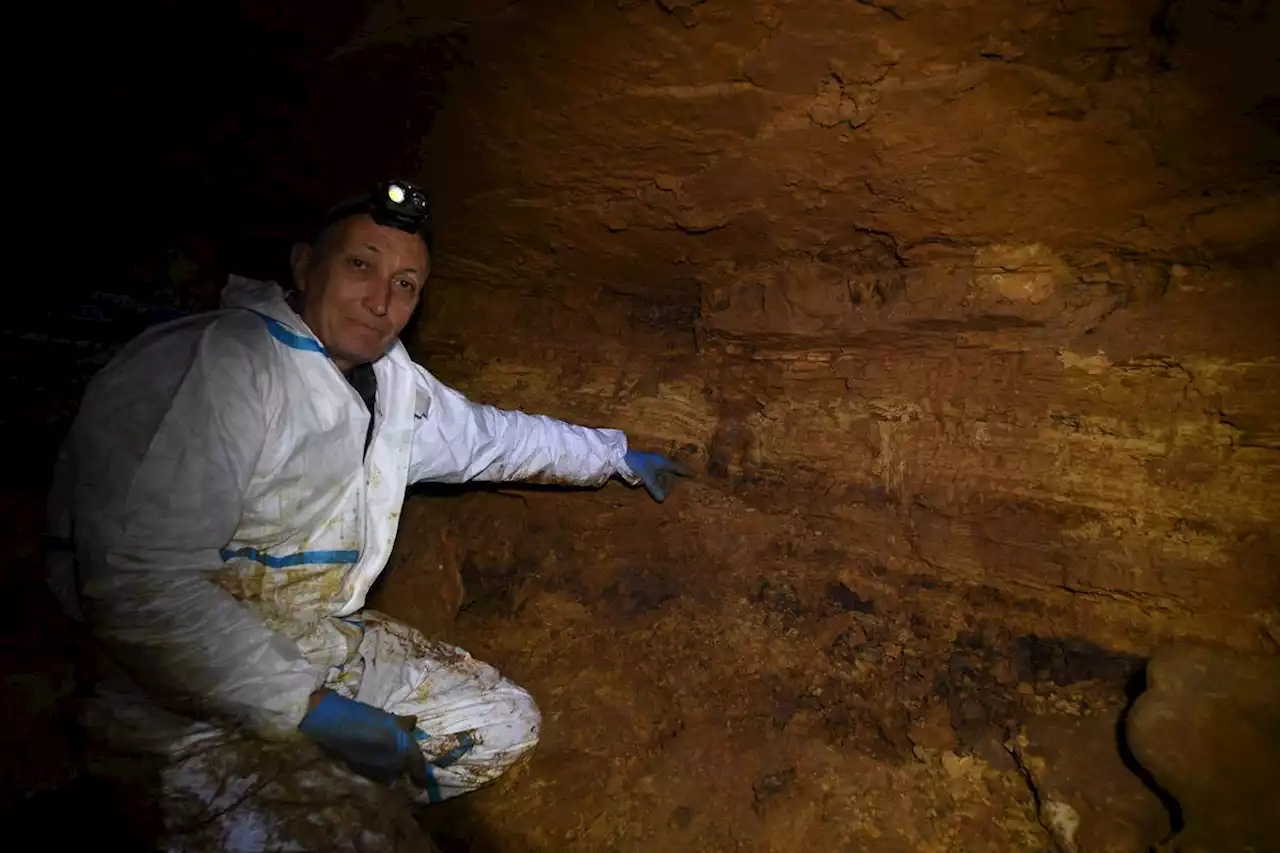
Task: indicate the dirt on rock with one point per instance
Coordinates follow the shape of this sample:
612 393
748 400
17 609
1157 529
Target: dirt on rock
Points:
721 704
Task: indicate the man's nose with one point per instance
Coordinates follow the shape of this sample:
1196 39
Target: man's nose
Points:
378 298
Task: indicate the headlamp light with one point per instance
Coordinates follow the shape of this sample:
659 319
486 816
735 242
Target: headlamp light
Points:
396 204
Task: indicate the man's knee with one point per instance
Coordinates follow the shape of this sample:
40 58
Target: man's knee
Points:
501 731
508 730
523 726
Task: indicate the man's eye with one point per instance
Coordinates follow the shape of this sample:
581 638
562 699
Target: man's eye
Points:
357 263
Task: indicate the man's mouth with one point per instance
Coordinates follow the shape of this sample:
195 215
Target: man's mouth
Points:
370 329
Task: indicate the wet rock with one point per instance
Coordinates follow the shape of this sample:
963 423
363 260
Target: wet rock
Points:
1207 728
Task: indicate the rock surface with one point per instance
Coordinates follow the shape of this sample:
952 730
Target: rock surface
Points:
1208 729
962 285
1087 798
966 313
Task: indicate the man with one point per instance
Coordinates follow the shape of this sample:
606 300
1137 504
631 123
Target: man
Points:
232 485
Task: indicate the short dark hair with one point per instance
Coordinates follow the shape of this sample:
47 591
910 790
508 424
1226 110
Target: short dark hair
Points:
331 232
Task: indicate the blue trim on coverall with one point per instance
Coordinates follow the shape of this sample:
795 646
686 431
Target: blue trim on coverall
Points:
301 558
288 337
453 756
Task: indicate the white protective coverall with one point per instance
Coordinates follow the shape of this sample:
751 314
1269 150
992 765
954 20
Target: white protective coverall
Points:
227 524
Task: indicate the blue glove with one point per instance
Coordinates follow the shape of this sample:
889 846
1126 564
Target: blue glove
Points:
373 743
655 471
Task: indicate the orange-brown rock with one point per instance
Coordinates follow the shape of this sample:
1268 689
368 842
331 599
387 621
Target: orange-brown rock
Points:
983 293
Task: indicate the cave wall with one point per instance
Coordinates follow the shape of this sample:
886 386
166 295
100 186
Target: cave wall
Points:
934 295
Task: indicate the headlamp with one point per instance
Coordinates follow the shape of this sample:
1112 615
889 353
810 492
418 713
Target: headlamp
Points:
395 204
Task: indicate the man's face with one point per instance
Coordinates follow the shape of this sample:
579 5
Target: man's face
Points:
359 284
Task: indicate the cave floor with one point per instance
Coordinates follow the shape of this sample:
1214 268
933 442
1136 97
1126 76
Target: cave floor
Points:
869 714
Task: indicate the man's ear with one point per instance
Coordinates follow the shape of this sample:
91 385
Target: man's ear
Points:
299 262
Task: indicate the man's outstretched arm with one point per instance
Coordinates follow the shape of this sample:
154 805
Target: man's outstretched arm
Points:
457 440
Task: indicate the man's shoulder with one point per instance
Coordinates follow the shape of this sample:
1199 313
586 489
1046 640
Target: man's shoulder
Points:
227 337
241 330
222 351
